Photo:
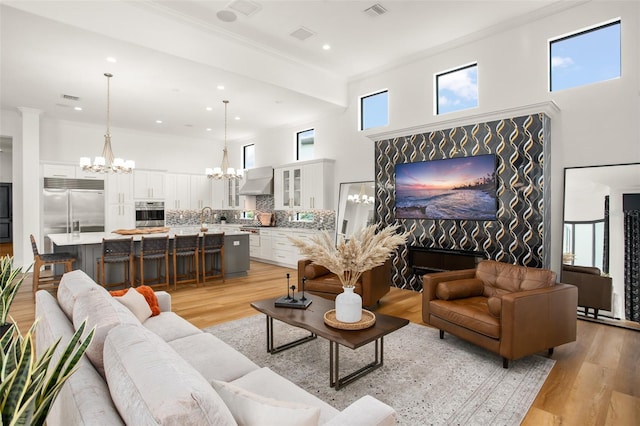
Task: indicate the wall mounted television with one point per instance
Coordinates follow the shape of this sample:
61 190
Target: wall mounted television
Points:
462 188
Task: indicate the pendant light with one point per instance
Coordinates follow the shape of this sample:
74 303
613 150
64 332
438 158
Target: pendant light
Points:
106 163
224 171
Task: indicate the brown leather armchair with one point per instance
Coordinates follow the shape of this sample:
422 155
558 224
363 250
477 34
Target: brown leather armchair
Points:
371 286
511 310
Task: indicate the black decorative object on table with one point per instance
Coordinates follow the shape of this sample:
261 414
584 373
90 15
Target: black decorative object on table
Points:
290 301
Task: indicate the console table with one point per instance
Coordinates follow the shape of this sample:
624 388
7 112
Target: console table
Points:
426 260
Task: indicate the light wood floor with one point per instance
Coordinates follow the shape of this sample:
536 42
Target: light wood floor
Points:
595 381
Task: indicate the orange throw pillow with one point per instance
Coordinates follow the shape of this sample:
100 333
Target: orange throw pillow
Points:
148 294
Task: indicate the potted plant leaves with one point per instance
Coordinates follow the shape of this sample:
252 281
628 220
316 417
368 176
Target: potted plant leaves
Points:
10 280
28 387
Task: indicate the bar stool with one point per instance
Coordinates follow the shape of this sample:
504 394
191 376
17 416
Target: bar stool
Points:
114 251
186 247
213 247
40 260
154 249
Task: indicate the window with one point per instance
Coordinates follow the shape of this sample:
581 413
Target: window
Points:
374 110
457 89
584 243
248 156
589 56
304 145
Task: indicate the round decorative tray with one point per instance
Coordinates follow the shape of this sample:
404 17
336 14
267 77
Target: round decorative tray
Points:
367 320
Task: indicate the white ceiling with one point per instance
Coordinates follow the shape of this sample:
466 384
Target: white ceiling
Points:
172 55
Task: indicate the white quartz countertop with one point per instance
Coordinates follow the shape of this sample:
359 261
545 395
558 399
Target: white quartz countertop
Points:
85 238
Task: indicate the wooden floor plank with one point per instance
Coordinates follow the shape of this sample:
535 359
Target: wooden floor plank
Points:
595 381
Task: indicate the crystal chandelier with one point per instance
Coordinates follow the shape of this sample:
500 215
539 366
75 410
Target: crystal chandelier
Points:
106 163
224 171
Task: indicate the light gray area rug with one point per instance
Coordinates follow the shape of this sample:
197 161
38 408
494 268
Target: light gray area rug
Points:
425 379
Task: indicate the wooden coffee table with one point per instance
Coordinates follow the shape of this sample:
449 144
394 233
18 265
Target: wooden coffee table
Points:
312 320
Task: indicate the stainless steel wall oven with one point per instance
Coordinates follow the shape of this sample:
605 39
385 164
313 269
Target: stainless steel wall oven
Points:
149 214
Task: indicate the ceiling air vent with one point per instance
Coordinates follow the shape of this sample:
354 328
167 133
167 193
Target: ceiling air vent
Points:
70 97
244 7
302 33
375 10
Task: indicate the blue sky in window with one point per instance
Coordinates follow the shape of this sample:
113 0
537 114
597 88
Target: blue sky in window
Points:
375 110
586 58
458 90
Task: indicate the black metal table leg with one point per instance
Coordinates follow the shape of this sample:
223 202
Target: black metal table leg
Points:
270 346
334 365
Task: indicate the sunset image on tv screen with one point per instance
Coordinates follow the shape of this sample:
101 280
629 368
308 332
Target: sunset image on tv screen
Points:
455 188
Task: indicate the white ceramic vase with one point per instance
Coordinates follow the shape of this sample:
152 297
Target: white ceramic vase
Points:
348 306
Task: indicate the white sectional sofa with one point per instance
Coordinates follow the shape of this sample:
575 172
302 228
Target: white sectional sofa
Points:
166 371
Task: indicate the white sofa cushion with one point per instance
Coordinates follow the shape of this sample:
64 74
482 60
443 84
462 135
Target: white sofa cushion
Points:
102 312
84 399
212 357
136 303
170 326
72 285
250 409
151 384
267 383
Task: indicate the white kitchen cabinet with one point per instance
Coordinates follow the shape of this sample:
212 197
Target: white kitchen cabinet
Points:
226 195
68 171
265 245
119 188
287 187
120 208
120 216
58 171
177 191
148 185
306 185
200 190
275 246
217 194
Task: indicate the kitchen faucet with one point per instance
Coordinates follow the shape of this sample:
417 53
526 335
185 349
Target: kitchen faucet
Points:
202 228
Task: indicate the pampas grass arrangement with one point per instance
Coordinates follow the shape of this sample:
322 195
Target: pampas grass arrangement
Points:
363 251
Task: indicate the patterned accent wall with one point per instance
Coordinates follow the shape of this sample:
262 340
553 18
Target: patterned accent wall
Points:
520 235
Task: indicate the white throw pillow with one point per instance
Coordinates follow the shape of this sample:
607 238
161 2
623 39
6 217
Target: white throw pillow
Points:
136 303
250 409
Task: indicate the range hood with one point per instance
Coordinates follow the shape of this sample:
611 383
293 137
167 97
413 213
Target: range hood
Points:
258 182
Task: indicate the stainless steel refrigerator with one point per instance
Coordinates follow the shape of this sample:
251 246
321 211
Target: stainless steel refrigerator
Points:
67 200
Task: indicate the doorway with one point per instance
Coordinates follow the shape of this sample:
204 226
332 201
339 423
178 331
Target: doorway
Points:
6 220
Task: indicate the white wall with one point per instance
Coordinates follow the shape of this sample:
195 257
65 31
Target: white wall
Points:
66 141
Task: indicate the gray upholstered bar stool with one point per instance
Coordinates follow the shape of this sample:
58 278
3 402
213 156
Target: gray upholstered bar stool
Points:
116 251
213 248
40 260
155 249
186 248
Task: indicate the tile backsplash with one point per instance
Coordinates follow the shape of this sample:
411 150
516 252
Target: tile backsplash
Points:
322 219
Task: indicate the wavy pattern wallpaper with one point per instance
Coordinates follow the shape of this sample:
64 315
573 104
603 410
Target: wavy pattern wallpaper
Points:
520 235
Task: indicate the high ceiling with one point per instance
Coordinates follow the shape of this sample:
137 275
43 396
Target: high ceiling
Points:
172 56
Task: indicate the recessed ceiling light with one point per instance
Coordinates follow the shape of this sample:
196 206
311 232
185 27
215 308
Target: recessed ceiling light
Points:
237 118
221 87
112 59
159 121
78 108
209 108
326 47
208 129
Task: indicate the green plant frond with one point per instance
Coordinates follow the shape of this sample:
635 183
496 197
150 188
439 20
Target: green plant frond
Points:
19 383
69 359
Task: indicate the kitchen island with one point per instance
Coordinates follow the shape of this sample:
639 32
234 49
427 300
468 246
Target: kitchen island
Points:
87 247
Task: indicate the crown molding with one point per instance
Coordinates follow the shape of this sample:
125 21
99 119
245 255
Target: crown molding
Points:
550 108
